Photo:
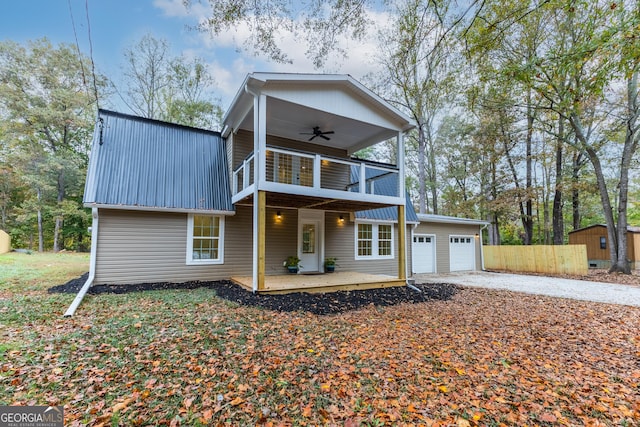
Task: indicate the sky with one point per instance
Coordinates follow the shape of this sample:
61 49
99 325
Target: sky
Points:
114 25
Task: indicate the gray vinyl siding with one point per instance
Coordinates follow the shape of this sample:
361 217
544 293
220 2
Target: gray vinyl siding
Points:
442 231
139 247
281 239
340 243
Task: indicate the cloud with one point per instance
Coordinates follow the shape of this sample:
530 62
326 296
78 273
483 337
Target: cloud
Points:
171 8
230 55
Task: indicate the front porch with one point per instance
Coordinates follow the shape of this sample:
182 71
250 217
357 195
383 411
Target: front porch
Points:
319 283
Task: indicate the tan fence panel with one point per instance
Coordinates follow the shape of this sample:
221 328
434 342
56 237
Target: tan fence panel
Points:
5 242
568 259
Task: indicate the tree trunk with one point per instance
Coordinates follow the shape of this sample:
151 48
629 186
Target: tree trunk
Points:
527 220
630 145
575 192
422 178
607 210
40 229
558 220
433 173
58 225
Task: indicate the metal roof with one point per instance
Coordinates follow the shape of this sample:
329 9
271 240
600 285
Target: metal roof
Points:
630 228
143 163
386 185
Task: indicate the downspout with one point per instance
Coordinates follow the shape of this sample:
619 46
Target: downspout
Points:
92 265
481 246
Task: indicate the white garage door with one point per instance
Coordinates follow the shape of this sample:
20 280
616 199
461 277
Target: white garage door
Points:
424 255
462 253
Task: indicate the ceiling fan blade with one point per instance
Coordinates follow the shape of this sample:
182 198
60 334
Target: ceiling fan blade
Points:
311 139
328 132
325 137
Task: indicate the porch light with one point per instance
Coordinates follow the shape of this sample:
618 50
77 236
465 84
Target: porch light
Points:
341 219
279 215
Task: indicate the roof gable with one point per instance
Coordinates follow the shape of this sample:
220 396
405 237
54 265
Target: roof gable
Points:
142 163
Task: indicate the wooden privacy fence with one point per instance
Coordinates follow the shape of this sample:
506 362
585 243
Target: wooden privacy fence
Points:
5 242
568 259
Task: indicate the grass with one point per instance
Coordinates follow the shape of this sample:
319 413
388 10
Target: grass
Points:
190 358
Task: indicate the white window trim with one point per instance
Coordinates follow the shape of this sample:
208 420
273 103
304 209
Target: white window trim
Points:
375 243
190 260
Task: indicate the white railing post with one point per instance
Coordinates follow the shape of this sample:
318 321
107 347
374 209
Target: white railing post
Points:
245 175
235 182
363 178
317 165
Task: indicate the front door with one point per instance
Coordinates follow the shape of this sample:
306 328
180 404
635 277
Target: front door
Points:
310 240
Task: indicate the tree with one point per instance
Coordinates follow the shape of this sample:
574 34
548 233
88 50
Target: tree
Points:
420 63
595 44
317 24
49 111
167 88
147 76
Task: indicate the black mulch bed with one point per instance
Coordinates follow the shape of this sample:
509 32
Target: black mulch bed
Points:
329 303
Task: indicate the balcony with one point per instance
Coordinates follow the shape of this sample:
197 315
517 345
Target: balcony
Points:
318 176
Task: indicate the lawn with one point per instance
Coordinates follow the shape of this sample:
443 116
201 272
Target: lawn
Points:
181 357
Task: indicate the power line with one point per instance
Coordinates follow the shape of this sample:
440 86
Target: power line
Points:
93 65
75 35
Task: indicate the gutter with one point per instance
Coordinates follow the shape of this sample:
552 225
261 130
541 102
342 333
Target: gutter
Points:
92 266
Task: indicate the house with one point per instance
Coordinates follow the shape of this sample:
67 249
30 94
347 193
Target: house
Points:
596 239
445 244
175 204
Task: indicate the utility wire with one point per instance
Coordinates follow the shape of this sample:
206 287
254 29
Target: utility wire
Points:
93 65
75 35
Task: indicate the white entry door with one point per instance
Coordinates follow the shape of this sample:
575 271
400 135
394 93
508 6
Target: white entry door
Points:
423 253
462 253
310 240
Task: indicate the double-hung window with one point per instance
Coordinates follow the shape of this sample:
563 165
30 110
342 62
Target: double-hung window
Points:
205 239
374 241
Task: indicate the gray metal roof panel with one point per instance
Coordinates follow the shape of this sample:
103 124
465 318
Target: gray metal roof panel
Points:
386 185
147 163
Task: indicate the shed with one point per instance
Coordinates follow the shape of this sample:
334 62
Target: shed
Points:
5 242
444 244
595 238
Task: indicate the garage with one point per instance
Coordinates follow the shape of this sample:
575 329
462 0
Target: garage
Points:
442 244
424 253
462 253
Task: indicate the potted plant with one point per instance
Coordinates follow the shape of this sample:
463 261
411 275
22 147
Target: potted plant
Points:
292 263
330 264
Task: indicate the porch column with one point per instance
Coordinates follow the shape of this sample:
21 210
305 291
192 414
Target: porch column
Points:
262 215
402 246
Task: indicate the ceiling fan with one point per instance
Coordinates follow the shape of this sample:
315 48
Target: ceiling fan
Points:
317 132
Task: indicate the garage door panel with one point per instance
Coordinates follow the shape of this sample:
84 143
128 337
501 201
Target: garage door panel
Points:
462 253
424 254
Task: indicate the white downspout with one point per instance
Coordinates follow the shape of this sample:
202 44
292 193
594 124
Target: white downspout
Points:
92 265
481 246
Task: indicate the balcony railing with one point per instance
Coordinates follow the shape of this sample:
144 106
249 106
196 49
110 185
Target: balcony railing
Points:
319 172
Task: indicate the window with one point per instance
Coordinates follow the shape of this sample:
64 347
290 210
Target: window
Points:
374 241
205 239
603 242
385 238
365 240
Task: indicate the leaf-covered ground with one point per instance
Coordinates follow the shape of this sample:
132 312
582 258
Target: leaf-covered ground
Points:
188 357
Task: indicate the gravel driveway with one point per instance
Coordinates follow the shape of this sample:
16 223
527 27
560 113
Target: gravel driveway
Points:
551 286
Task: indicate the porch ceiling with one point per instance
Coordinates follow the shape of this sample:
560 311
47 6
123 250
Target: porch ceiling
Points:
290 120
283 200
